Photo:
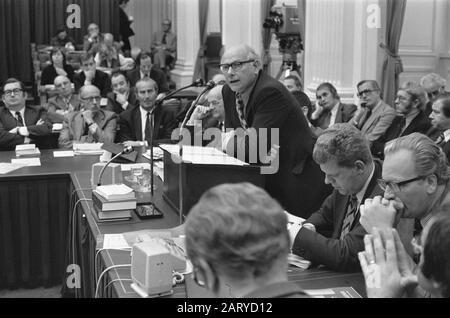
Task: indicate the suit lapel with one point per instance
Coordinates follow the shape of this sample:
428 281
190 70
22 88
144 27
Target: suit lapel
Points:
341 205
372 118
338 118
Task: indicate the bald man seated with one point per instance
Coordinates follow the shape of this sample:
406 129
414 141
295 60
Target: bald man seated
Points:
91 123
59 106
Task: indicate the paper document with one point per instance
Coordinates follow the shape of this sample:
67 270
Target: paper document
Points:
6 167
88 148
68 153
158 154
129 166
115 241
203 155
29 162
336 292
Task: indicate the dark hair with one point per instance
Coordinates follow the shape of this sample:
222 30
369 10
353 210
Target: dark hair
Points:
444 99
13 80
143 56
343 143
123 1
61 28
118 73
238 229
56 50
436 252
296 80
330 87
86 56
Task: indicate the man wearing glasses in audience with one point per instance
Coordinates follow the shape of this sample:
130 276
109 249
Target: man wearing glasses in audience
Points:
416 185
60 105
434 85
21 124
91 123
255 101
375 116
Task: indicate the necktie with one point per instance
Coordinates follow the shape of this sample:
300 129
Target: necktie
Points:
440 140
19 119
240 110
401 125
352 208
164 39
149 129
368 114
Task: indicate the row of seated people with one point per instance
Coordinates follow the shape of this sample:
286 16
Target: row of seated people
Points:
413 111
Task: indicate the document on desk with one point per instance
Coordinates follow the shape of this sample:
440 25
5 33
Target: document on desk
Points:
6 167
336 292
28 162
59 154
115 241
129 166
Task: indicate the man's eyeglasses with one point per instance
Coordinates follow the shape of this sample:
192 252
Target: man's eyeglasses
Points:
433 94
16 91
92 99
366 92
395 186
235 66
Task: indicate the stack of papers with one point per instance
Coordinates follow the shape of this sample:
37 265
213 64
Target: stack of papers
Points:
203 155
116 192
28 162
88 149
27 150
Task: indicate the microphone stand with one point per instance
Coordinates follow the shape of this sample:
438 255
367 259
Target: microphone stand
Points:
125 150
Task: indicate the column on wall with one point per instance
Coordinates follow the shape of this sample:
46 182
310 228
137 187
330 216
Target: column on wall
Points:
340 46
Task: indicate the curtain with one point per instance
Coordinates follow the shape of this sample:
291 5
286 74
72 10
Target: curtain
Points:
266 35
23 22
15 56
392 65
199 70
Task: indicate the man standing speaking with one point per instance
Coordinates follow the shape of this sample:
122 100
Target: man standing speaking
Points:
255 101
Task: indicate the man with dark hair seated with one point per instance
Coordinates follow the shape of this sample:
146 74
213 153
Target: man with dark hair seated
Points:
146 69
440 119
333 235
21 124
242 247
294 85
89 75
122 97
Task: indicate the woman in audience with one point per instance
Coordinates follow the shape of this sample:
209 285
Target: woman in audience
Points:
389 272
63 40
57 67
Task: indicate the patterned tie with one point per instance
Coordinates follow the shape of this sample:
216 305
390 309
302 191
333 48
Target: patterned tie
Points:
240 110
164 41
352 208
19 119
149 129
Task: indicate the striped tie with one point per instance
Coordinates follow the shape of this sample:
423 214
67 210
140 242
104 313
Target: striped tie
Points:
19 119
240 110
352 208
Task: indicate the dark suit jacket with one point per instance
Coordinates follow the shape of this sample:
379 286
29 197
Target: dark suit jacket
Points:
101 80
299 183
49 74
155 74
330 250
446 149
39 134
114 106
131 126
420 123
344 113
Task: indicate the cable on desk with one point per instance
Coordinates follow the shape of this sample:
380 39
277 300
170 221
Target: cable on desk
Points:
117 280
104 272
105 249
73 232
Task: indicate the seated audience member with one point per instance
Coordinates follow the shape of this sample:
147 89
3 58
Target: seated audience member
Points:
409 104
164 45
64 103
91 123
145 69
108 57
329 109
440 119
122 97
136 124
387 268
375 116
242 248
63 40
92 40
219 79
333 235
21 124
294 85
91 76
57 67
434 85
415 183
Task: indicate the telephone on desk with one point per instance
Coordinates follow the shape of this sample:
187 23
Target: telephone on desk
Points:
155 263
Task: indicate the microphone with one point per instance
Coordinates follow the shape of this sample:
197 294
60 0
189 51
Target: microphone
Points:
210 85
126 150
